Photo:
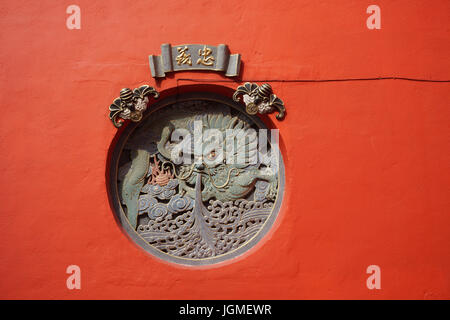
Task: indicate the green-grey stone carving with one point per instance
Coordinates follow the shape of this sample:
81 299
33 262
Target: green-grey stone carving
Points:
202 209
131 105
260 99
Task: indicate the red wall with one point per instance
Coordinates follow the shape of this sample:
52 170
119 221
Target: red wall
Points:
367 162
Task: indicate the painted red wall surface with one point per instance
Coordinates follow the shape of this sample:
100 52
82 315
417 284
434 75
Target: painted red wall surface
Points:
367 162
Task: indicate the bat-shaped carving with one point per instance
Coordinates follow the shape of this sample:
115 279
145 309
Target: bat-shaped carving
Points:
260 99
127 102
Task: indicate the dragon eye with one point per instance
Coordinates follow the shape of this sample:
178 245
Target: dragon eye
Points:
212 155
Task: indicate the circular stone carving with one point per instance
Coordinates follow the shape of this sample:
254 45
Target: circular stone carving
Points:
185 199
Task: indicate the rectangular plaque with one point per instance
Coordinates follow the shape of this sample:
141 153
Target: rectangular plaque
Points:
195 57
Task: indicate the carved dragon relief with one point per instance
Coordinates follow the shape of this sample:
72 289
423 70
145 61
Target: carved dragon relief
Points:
196 210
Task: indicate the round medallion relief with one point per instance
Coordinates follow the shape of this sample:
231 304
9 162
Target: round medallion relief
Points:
197 181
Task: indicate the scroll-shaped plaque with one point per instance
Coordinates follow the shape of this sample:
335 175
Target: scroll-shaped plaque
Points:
195 57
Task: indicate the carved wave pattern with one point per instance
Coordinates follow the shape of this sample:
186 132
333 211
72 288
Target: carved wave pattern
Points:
218 229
